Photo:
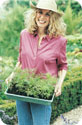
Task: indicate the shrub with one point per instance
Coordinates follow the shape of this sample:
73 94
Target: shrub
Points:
62 4
74 41
74 58
72 20
12 26
8 113
71 93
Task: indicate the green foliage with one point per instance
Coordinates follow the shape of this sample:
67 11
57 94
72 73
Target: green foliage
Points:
72 20
74 41
2 102
6 67
9 108
2 90
27 83
72 16
12 22
62 4
76 7
13 3
71 93
11 27
74 58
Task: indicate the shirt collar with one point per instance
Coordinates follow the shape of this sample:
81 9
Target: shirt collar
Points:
45 37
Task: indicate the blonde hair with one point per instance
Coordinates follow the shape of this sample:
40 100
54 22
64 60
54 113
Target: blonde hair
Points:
55 28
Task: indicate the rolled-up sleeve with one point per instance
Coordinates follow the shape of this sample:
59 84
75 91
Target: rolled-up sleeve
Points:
20 48
62 60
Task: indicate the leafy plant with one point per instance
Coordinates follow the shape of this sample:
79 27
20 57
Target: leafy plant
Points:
62 4
74 41
72 20
12 26
27 83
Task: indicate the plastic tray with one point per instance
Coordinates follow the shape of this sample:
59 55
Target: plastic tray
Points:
29 99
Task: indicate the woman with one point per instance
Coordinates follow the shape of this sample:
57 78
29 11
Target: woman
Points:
42 47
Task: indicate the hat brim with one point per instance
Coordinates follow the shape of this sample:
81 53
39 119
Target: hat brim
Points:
34 7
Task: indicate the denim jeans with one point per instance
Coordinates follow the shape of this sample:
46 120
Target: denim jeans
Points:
33 114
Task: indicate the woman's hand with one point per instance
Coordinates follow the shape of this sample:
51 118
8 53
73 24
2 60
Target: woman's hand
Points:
12 74
57 90
58 85
9 78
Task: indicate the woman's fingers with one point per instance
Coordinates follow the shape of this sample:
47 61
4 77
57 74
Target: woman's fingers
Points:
57 90
57 94
7 80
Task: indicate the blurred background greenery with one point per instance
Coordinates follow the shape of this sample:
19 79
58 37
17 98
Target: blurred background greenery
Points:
11 24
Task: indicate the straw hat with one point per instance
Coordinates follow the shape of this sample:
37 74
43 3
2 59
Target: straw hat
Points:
46 4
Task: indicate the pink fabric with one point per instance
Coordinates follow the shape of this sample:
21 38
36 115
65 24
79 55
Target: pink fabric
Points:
49 57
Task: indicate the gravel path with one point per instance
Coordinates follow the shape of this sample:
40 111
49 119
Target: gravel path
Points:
73 115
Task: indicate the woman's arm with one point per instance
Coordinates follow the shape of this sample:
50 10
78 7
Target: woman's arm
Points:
62 67
58 86
12 74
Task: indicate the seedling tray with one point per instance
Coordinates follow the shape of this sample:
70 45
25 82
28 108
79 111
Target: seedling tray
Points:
29 99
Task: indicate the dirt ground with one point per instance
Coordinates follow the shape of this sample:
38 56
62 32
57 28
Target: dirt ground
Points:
74 115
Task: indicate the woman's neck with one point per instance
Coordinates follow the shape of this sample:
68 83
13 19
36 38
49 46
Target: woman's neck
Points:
41 32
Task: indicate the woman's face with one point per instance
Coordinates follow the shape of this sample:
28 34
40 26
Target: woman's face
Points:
42 18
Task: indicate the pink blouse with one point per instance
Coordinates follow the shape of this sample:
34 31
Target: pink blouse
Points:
50 57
